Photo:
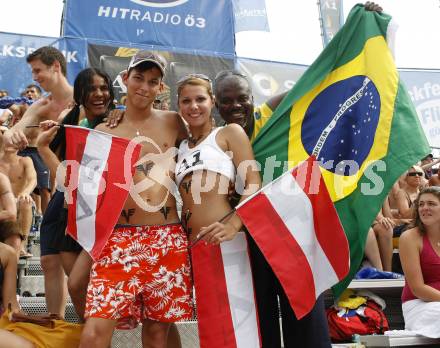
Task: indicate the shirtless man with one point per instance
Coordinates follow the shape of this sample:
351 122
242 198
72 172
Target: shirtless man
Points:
49 71
150 227
21 174
8 210
32 92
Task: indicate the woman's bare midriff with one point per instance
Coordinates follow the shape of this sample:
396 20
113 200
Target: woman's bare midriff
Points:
197 213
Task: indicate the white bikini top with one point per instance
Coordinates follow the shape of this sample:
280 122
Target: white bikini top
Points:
205 156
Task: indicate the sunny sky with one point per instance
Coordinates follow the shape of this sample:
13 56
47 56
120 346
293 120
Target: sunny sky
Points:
417 40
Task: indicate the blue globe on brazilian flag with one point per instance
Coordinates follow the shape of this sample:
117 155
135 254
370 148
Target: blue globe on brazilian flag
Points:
351 111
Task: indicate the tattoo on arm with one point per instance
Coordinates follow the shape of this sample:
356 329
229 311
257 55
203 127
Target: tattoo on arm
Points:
126 214
145 167
185 218
165 211
186 186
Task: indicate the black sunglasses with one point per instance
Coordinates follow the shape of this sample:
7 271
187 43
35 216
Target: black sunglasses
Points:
415 174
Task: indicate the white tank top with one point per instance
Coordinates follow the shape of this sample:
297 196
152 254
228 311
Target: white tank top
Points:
205 156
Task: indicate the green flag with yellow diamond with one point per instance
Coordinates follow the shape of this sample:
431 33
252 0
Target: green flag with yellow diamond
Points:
351 111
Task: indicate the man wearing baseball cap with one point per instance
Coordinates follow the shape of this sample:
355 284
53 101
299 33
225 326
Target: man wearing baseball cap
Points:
148 56
427 163
143 274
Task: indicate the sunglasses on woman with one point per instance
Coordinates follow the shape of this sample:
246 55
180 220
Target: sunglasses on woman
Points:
415 174
193 76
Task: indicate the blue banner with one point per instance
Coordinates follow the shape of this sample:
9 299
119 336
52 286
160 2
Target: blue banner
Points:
424 89
15 72
185 24
250 15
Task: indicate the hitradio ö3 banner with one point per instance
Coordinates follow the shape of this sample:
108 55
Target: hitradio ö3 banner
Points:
188 24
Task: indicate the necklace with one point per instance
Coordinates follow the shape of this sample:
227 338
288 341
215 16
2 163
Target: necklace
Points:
192 140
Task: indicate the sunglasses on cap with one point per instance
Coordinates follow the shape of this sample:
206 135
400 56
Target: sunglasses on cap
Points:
193 76
415 174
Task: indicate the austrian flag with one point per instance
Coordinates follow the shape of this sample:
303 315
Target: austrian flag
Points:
295 225
100 170
226 312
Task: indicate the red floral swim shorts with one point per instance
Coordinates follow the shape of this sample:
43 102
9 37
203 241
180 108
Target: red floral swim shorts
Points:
142 273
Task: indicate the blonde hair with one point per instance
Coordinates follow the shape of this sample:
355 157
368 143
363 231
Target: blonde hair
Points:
194 81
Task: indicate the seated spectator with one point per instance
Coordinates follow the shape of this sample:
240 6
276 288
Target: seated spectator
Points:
33 92
23 179
434 180
383 232
8 211
420 257
406 196
5 114
9 231
372 252
25 334
390 223
8 278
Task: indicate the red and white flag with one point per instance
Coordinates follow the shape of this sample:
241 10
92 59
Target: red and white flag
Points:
100 168
226 309
295 225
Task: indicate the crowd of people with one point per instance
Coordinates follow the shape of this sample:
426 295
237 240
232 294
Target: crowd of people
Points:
111 293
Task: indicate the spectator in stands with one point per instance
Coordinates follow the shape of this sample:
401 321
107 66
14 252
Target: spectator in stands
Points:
235 104
24 334
5 114
211 155
383 229
93 94
23 178
419 250
372 251
32 91
434 180
8 209
432 175
388 225
49 70
138 232
407 195
8 213
8 279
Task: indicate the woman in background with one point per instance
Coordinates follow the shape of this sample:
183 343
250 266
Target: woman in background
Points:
419 250
93 96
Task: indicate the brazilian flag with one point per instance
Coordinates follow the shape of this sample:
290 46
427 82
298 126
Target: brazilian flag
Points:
351 111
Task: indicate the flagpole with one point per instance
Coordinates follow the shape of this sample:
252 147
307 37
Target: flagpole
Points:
262 188
38 126
221 220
